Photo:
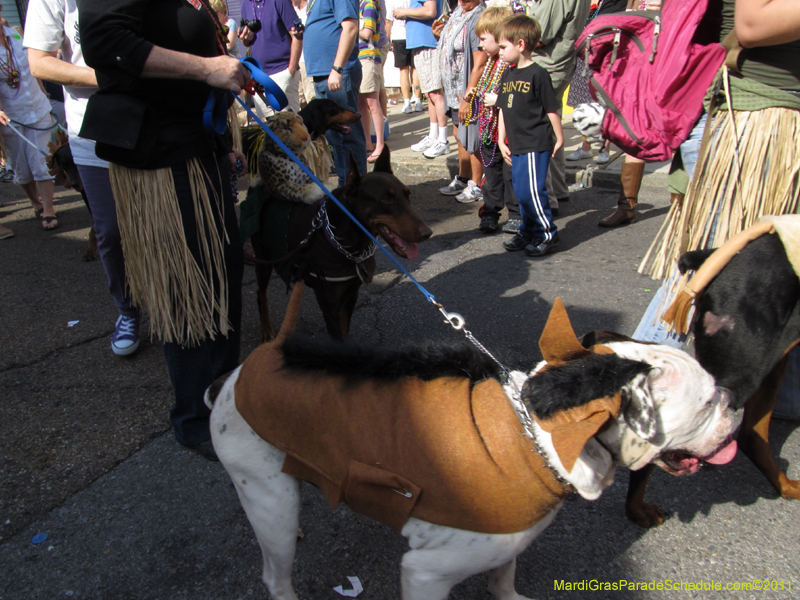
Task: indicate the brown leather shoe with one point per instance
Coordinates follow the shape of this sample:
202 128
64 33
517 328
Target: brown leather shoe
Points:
631 180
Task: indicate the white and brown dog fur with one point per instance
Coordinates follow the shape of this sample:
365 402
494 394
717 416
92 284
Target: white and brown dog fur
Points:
671 410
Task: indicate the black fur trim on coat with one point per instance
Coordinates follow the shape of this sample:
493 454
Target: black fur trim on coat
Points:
356 362
578 382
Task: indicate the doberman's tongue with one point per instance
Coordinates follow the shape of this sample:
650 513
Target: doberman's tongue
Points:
724 454
400 246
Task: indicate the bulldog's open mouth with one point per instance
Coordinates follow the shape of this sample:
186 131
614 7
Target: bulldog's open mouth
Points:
682 463
398 244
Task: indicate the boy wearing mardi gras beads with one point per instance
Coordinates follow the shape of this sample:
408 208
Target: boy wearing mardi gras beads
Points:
497 188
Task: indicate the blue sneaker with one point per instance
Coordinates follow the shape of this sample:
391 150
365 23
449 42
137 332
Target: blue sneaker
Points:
126 336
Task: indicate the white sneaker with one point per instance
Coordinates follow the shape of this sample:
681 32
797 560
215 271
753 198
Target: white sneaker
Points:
418 105
454 188
602 158
438 149
579 154
471 194
407 108
423 144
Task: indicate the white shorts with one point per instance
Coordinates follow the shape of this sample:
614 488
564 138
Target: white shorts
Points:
290 86
27 162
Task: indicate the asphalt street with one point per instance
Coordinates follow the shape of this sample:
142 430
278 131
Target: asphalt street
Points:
88 457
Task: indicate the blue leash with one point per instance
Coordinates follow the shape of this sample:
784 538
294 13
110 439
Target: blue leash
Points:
278 101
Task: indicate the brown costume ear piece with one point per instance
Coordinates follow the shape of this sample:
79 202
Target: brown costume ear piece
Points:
571 429
558 342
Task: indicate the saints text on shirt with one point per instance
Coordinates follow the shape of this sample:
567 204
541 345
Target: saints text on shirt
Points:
516 86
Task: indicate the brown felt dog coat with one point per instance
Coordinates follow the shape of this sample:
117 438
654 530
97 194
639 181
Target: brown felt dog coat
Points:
442 451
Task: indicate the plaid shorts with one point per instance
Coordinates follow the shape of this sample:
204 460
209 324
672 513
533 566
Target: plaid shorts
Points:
426 61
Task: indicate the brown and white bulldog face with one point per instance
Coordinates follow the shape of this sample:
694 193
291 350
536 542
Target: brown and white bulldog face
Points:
673 416
638 404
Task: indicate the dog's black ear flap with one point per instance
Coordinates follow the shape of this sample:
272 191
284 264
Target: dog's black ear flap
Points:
693 260
353 180
313 119
578 382
384 162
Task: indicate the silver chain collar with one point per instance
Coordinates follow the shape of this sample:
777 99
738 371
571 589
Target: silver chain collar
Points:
515 398
322 221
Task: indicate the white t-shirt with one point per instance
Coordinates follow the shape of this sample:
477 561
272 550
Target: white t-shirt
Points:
398 25
52 25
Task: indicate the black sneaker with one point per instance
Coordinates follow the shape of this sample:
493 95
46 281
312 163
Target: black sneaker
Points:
541 248
489 224
516 243
512 226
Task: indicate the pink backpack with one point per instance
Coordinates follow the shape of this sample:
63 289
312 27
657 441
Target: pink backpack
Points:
651 71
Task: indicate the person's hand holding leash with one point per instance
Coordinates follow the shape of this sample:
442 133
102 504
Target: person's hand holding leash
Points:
227 73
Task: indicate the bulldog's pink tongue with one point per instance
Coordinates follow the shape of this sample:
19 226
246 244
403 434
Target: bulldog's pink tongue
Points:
723 455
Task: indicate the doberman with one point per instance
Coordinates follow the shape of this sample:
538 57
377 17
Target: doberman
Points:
340 255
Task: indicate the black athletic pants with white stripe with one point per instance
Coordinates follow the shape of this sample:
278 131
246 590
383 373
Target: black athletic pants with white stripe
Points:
528 173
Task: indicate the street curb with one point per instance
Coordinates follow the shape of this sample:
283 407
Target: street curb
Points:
446 168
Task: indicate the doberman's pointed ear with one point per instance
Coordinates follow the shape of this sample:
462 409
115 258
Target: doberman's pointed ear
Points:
384 162
353 180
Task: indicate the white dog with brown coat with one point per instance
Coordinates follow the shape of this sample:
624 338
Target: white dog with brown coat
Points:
430 443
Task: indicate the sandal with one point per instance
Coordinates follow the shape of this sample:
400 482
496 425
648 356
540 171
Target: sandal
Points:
47 223
372 158
37 212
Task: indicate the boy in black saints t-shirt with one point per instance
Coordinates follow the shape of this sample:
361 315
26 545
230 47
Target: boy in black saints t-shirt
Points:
528 119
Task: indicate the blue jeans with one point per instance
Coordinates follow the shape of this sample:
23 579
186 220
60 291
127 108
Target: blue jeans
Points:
193 369
354 142
651 329
529 173
97 186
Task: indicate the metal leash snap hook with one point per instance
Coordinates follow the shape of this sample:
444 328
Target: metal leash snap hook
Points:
454 319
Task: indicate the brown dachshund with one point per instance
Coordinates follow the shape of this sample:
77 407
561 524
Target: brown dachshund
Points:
338 255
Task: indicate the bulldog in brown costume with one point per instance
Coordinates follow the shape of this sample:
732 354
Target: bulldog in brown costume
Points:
430 443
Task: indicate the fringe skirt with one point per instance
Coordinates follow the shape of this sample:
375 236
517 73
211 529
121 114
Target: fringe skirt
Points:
734 185
182 285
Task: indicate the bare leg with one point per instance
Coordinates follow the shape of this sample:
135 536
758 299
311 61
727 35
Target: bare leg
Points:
405 83
374 107
436 108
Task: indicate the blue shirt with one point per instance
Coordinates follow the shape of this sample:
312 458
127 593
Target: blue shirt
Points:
273 44
418 33
321 37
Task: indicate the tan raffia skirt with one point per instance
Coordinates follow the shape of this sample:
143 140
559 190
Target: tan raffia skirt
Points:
733 187
185 298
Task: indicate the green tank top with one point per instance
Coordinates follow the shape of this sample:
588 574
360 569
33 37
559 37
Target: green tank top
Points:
775 66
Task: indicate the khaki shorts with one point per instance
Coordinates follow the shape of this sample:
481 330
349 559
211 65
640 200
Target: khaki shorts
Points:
371 76
426 61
